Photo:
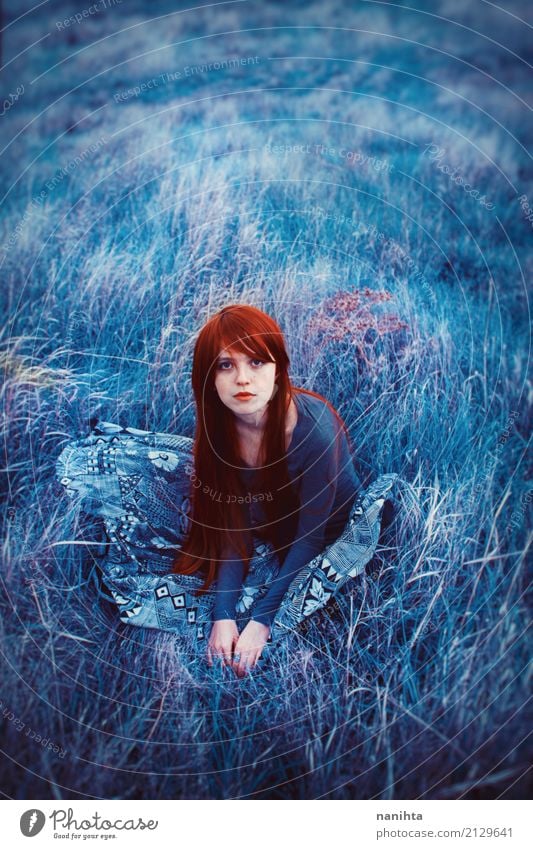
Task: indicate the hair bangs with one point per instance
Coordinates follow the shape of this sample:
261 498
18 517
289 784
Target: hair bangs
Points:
243 336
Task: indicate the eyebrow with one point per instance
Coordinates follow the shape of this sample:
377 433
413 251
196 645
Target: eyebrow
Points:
229 357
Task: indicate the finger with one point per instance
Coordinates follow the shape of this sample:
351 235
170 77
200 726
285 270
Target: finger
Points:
237 666
216 656
243 664
227 657
259 655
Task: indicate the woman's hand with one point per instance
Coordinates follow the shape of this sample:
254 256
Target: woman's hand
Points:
249 647
224 634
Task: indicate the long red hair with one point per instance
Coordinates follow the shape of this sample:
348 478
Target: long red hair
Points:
216 521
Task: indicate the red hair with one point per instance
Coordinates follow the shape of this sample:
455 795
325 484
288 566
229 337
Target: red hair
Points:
217 523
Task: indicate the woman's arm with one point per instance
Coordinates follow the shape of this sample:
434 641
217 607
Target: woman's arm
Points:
229 586
318 484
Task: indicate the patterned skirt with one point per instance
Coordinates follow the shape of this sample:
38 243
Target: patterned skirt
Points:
139 483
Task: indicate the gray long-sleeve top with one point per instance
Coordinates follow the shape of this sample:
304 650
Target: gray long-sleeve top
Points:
321 469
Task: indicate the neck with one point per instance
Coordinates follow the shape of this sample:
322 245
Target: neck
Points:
254 422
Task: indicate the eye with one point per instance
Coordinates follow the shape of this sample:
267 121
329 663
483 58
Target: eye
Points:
221 365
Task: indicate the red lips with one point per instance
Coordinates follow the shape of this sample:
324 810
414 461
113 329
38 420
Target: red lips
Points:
244 395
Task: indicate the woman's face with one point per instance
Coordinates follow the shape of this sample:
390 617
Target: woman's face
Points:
245 375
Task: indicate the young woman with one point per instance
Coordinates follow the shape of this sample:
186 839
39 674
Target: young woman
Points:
259 437
277 520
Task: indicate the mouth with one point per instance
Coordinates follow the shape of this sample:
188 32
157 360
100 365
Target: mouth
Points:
244 396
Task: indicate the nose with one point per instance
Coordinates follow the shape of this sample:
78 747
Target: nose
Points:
242 376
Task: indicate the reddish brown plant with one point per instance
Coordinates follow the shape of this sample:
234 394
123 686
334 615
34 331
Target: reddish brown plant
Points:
348 316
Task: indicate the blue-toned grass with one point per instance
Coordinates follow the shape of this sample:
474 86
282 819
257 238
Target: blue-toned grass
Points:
412 684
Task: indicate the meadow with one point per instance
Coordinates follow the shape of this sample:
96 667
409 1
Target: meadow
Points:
355 170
